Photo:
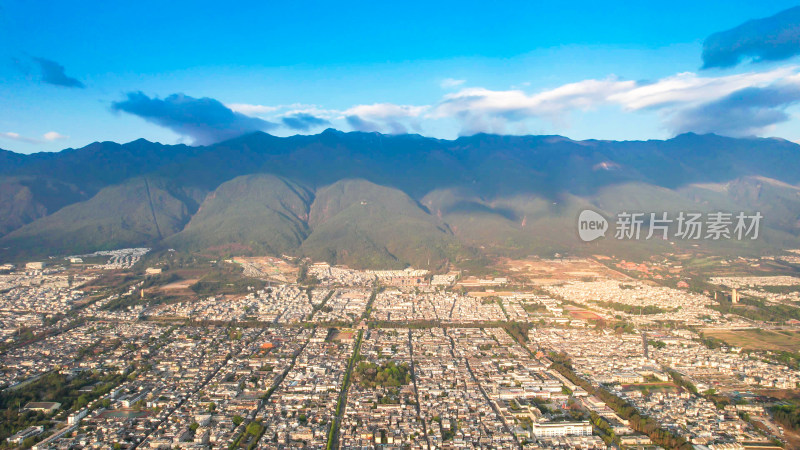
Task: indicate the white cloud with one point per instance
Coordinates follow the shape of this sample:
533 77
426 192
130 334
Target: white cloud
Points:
380 116
517 105
19 138
53 136
313 110
383 111
252 110
279 111
396 119
449 83
50 136
481 109
687 88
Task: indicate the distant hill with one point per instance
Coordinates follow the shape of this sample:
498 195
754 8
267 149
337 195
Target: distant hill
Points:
25 199
138 212
251 214
361 224
351 222
374 200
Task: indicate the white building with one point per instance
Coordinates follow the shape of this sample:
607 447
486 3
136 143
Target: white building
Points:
556 429
76 417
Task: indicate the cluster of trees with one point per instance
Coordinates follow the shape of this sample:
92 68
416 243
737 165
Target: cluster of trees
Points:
254 428
541 404
534 307
518 330
302 273
369 374
235 334
332 431
755 309
121 302
787 415
391 397
226 280
249 438
682 382
606 432
234 287
788 358
712 342
52 387
781 289
489 300
631 309
370 302
322 306
623 328
11 421
304 278
642 423
619 326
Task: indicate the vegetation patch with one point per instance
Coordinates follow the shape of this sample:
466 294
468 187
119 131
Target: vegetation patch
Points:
758 339
370 375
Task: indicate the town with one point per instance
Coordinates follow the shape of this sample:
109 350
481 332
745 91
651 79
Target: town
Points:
322 356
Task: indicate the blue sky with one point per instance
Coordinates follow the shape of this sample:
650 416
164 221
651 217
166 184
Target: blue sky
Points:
197 72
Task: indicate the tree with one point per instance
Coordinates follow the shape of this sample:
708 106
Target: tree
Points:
254 428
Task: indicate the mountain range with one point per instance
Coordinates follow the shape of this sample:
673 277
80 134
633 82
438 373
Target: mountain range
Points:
374 200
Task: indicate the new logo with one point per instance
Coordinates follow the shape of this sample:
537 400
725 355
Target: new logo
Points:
591 225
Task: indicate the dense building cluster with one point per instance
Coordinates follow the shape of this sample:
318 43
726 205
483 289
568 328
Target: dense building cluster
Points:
360 365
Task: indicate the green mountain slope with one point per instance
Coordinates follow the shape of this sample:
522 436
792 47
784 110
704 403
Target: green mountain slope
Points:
361 224
520 225
251 214
139 212
778 203
423 199
25 199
